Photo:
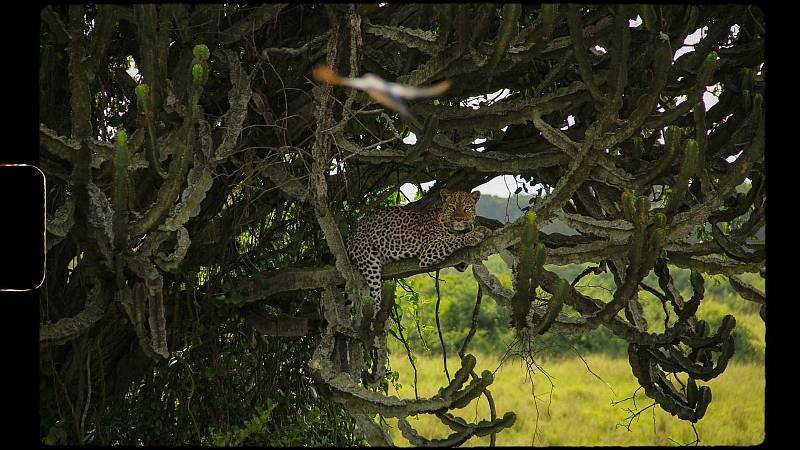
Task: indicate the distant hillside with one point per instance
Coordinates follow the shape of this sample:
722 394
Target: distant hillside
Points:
498 207
510 209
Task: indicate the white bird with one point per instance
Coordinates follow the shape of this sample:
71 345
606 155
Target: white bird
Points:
384 92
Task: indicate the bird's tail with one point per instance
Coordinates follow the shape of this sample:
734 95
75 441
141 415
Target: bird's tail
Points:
325 74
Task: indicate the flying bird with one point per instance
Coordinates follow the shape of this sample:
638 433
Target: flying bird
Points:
388 94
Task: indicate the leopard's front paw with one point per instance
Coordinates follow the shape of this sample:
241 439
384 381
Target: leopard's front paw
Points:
474 237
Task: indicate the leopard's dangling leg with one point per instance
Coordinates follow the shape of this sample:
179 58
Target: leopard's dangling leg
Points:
370 268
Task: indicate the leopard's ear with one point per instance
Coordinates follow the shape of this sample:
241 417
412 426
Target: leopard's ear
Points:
444 193
475 195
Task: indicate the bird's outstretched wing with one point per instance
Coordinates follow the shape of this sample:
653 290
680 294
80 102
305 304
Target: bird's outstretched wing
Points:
411 92
386 93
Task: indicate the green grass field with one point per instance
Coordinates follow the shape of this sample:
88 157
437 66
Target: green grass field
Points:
577 409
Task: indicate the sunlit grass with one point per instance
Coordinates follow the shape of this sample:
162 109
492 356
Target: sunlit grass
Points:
579 409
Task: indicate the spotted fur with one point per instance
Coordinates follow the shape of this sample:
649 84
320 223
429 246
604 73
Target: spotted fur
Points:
396 232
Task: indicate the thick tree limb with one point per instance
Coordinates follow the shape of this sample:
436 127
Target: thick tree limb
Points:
746 291
70 327
354 282
253 22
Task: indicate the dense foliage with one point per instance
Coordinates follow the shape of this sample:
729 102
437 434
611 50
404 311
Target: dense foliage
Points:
201 185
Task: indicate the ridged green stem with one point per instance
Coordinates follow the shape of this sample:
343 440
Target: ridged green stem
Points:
618 78
429 129
671 140
554 307
687 171
638 148
144 103
121 192
531 259
704 77
511 13
549 15
649 17
579 50
182 155
747 87
642 212
628 206
146 17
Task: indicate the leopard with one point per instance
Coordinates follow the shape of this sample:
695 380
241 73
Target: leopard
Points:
398 232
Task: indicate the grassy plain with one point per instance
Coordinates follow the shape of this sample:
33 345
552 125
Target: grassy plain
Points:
578 409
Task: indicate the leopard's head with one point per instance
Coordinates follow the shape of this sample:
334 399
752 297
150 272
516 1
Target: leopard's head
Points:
458 209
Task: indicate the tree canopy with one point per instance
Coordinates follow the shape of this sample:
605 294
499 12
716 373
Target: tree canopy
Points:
201 185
